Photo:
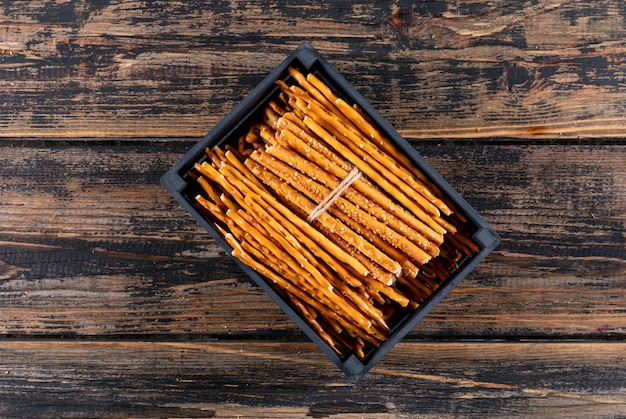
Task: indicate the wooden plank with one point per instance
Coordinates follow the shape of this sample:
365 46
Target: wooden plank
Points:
92 245
435 69
563 223
287 380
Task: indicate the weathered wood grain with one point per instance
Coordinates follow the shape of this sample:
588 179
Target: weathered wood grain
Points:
115 303
435 69
93 246
292 380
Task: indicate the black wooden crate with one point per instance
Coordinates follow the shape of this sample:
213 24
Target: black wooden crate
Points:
306 59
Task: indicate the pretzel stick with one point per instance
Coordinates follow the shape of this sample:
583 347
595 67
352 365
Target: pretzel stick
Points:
353 138
364 147
357 119
209 189
229 204
349 213
374 175
298 223
331 256
245 257
283 237
424 209
311 89
363 186
213 158
311 318
331 223
393 230
322 87
307 275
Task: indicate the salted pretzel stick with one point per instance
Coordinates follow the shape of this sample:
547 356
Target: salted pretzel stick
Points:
293 120
310 316
450 228
353 216
254 190
282 236
219 157
364 148
374 175
363 186
357 119
298 223
331 223
208 171
322 87
268 134
359 207
312 90
251 137
308 276
209 189
245 257
408 266
368 156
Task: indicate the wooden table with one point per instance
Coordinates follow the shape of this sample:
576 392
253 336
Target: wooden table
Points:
115 303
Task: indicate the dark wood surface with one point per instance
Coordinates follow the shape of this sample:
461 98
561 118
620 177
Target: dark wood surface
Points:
115 303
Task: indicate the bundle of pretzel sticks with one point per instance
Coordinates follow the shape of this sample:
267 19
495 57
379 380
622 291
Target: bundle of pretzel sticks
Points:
321 204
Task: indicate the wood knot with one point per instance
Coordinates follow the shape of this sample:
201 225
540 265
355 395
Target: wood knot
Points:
517 77
402 18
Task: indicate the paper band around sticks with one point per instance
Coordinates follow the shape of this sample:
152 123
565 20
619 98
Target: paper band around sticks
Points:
330 199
